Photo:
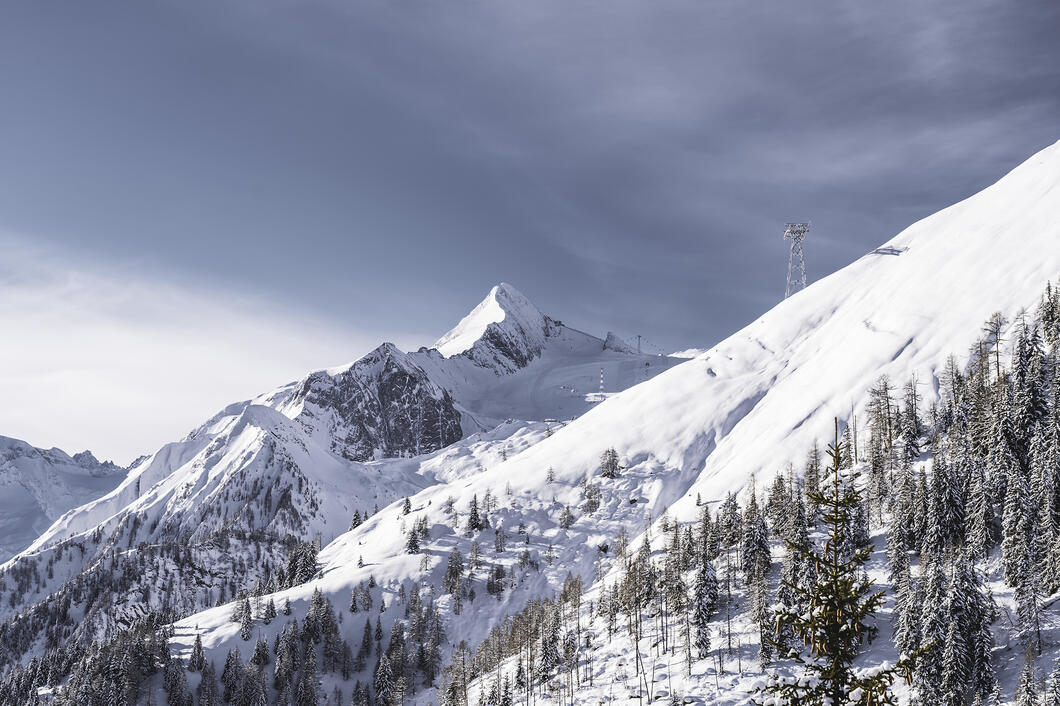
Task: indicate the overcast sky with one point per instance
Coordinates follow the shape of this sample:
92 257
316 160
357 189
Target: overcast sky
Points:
201 200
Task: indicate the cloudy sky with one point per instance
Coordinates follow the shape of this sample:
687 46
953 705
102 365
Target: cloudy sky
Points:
200 200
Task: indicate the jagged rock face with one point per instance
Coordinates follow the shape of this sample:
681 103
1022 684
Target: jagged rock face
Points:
384 405
504 332
507 348
614 343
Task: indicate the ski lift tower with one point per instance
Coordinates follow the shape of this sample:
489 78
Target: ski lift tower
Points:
795 232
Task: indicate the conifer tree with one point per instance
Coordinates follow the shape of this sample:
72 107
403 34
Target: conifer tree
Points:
704 604
842 606
1014 537
206 694
270 611
474 521
384 680
907 612
966 670
1027 687
954 668
1052 690
981 528
198 659
609 465
566 518
933 628
246 623
911 426
812 479
754 554
260 656
308 692
231 675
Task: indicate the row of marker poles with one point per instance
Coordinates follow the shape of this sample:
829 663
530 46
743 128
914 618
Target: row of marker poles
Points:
601 381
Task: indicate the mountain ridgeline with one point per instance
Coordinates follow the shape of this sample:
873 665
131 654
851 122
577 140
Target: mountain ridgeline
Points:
218 513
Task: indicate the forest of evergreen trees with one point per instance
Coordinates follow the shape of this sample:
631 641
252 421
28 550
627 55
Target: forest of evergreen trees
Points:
964 489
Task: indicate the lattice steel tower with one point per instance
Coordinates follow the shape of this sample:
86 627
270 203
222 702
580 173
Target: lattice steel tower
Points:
795 232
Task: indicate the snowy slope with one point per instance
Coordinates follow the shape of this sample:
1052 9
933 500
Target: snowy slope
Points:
38 485
760 398
742 410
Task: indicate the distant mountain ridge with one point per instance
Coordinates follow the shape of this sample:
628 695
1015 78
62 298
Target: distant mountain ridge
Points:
38 485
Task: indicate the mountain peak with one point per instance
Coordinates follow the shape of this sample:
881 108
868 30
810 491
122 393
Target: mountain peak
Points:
504 305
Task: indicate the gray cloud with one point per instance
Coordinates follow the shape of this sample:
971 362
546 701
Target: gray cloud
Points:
628 165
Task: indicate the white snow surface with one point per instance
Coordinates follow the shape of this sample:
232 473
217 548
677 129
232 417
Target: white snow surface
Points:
505 307
38 485
740 411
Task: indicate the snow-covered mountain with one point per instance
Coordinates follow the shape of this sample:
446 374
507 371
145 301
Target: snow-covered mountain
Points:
298 462
504 360
37 486
734 415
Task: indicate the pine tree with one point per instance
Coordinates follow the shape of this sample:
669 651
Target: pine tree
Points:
906 625
754 554
175 683
474 521
1014 538
1027 687
231 676
840 619
1052 691
384 680
270 611
246 624
609 465
308 692
1028 610
206 694
949 502
198 659
566 518
911 426
260 656
982 533
704 604
954 668
812 479
933 628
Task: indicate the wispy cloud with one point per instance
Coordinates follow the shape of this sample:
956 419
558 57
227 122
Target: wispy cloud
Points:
123 363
